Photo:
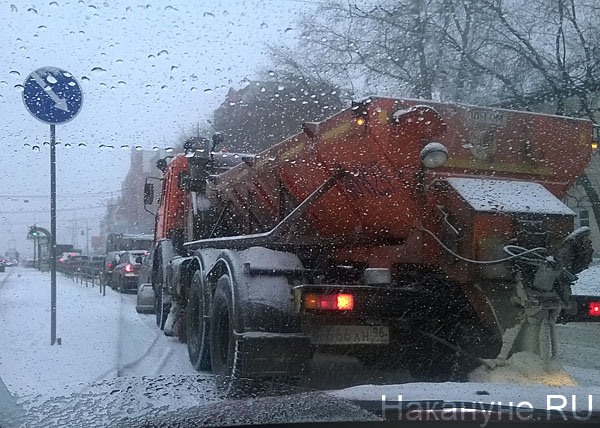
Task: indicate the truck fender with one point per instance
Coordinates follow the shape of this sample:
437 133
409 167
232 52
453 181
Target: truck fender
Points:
261 302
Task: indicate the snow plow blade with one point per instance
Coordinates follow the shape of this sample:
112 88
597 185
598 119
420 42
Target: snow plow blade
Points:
583 309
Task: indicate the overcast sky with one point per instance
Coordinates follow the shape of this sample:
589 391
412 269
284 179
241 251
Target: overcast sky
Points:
150 70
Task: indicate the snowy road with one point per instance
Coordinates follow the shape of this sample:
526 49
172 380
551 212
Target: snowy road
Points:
104 338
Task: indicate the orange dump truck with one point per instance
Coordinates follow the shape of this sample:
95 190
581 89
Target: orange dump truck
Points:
404 232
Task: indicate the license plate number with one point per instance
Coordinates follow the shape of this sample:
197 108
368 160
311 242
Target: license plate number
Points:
350 335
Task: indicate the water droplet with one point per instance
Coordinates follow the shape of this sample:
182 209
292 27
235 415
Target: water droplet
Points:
85 78
262 89
193 89
138 147
105 147
119 61
271 73
71 83
32 10
98 69
208 15
36 148
19 87
53 3
42 27
121 83
26 145
82 145
208 90
263 25
288 29
163 52
280 88
125 146
151 56
169 150
163 87
68 145
169 7
155 148
15 73
51 79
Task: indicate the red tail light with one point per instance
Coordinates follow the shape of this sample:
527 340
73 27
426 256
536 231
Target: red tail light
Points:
62 260
332 302
128 268
110 265
595 308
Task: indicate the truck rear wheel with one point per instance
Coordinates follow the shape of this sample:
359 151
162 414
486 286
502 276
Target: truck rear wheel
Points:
224 358
197 326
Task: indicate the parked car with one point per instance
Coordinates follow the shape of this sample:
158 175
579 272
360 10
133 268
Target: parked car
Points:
93 267
2 265
74 264
125 274
62 261
110 261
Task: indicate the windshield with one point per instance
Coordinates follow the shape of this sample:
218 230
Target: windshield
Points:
334 200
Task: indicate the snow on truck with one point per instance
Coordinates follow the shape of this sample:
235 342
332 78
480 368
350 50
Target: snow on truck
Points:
406 232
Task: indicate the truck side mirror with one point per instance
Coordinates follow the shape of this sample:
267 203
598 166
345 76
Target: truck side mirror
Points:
148 194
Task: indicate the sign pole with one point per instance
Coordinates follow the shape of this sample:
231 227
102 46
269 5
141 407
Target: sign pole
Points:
52 96
53 234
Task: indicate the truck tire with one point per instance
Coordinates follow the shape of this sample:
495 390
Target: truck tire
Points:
224 347
197 326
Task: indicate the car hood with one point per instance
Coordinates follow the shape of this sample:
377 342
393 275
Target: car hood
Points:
209 401
181 400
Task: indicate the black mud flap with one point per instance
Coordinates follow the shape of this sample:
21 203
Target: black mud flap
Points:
273 354
583 309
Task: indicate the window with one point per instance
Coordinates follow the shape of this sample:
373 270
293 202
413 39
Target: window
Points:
584 218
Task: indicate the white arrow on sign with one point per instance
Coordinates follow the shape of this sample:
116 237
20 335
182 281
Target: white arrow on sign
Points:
59 103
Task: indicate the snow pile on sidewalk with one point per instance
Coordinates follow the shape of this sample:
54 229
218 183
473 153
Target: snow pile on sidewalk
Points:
524 368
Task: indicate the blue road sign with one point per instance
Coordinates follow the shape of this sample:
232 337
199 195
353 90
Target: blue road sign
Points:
52 95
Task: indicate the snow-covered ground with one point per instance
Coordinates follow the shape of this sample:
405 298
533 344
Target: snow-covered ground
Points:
102 337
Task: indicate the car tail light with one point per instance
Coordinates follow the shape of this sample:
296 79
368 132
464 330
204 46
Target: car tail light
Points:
62 260
595 309
128 268
332 302
110 265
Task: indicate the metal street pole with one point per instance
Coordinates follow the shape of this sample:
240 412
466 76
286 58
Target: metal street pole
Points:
53 235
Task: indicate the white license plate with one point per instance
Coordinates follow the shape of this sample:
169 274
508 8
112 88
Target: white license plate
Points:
131 275
350 335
